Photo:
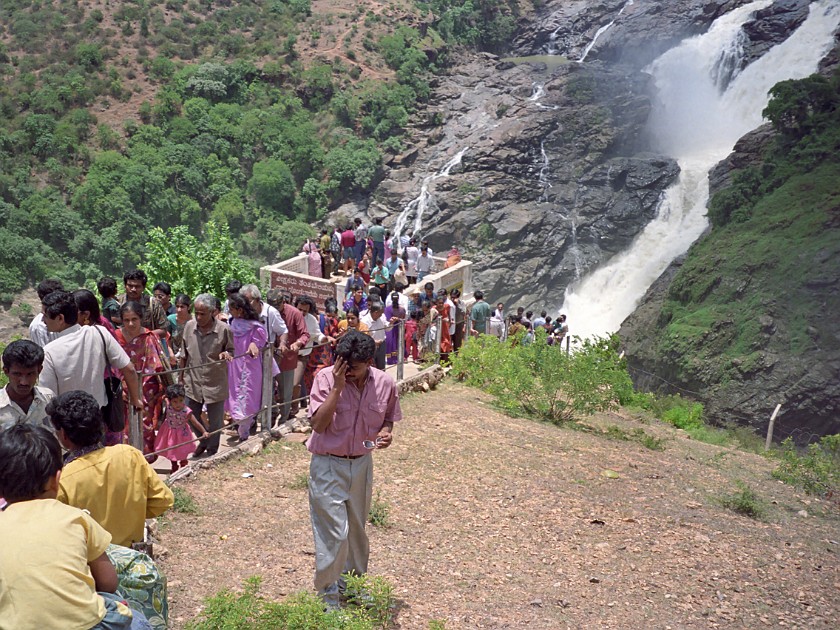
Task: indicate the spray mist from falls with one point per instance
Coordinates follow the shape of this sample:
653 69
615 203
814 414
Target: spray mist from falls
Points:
698 124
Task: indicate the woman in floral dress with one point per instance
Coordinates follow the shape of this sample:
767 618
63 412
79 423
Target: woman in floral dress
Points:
144 349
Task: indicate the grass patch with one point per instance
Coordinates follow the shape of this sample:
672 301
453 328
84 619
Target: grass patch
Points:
745 502
380 511
184 502
374 594
816 470
300 482
614 432
248 610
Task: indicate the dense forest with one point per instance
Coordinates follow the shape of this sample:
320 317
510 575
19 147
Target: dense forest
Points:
258 115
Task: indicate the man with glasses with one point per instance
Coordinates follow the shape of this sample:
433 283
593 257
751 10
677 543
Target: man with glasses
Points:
206 341
352 408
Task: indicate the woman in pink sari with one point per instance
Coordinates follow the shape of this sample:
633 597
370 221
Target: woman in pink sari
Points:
143 348
313 257
245 371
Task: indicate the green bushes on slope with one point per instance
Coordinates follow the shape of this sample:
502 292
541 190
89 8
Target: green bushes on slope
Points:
261 146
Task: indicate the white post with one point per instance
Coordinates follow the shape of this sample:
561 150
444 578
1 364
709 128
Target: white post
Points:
266 416
400 350
769 441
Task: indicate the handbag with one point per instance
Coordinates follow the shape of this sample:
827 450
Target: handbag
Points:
113 414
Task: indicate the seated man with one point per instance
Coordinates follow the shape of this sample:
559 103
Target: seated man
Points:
353 282
55 573
114 483
22 400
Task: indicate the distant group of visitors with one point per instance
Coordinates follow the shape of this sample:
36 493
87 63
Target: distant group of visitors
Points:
378 256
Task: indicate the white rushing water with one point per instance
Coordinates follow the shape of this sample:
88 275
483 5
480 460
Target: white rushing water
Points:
698 125
419 204
601 31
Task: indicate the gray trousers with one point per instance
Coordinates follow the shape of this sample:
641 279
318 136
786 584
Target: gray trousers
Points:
339 502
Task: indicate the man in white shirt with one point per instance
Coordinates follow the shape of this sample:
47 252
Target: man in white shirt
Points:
425 263
361 233
37 328
376 324
270 317
78 357
21 400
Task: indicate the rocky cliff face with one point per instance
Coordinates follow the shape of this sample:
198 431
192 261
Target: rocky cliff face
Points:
547 186
641 30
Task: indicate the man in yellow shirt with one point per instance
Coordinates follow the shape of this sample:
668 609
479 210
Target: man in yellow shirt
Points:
54 573
115 484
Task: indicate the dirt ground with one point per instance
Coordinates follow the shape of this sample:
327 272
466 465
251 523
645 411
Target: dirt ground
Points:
499 522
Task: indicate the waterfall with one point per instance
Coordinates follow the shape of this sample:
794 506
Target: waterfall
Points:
421 201
699 125
545 183
537 91
601 31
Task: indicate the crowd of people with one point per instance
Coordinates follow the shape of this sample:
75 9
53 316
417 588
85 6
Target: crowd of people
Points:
192 369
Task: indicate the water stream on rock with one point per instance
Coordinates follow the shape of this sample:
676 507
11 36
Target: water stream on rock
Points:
698 123
601 31
419 204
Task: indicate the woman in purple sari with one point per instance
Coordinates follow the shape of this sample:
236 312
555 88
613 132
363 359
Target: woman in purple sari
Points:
393 314
245 372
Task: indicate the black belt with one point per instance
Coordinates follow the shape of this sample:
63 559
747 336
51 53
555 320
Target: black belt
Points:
346 456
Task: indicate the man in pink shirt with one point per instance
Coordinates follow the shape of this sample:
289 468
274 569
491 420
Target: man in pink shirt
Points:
352 408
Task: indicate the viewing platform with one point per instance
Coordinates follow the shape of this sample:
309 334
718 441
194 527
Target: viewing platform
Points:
292 275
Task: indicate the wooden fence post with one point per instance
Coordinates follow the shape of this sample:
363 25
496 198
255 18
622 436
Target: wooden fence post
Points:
400 350
135 420
439 331
266 416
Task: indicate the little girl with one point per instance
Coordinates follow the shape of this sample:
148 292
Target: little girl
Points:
175 428
411 347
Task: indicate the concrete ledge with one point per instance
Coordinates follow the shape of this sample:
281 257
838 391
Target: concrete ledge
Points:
422 381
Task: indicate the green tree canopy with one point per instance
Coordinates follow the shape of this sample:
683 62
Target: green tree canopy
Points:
194 266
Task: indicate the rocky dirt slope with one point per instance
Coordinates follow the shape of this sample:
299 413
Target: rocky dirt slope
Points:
497 522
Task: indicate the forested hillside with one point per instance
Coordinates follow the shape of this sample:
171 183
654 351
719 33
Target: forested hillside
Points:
257 114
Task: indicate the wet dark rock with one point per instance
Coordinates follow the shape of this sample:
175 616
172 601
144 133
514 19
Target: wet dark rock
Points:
771 26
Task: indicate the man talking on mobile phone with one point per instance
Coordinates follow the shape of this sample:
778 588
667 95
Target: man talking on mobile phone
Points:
352 408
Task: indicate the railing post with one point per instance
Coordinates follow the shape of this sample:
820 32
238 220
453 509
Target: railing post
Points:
135 420
438 337
267 399
400 349
568 341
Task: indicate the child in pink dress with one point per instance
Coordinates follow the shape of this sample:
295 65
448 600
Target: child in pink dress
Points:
175 428
411 346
